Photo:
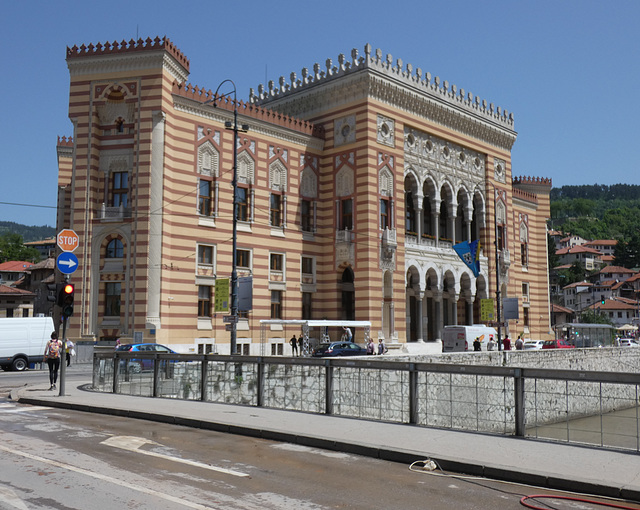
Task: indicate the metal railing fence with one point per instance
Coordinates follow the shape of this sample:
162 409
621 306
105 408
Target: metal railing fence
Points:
596 408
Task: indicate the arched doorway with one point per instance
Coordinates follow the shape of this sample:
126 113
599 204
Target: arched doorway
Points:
348 295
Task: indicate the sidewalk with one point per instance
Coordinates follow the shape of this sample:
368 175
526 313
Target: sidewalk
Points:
551 465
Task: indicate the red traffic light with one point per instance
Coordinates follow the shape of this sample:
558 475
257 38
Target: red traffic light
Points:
65 299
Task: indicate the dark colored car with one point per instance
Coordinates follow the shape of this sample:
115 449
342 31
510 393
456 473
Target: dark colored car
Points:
138 365
557 344
339 349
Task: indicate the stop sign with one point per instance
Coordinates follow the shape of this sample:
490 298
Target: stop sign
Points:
68 240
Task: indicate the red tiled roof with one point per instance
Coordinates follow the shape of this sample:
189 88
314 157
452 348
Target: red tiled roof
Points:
603 242
560 309
577 249
612 304
13 291
15 265
616 269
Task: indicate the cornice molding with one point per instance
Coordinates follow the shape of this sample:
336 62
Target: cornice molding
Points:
127 62
368 84
259 127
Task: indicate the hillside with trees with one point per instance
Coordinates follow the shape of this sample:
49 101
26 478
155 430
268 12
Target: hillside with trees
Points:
28 233
601 212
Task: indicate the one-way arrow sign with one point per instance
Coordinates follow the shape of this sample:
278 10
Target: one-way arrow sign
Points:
67 262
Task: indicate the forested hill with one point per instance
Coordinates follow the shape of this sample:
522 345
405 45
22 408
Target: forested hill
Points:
597 192
28 233
601 212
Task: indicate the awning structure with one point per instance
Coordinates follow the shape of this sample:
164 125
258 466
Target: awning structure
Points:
627 327
305 325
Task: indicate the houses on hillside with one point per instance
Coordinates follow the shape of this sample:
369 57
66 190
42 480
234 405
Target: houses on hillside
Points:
607 289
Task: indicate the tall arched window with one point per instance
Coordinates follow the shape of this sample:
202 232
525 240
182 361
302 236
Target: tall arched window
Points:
115 249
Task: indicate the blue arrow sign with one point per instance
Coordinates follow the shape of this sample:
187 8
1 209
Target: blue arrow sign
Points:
67 262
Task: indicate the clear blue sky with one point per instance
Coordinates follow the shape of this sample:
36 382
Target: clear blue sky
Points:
568 70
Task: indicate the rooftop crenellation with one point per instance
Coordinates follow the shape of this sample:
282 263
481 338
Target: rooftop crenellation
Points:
250 110
115 47
532 180
407 74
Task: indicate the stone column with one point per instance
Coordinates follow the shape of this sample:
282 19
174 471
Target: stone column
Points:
420 332
437 305
469 307
454 309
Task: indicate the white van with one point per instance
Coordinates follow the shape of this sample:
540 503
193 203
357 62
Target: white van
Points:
460 338
23 340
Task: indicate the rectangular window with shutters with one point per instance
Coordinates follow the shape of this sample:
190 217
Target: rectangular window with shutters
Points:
204 301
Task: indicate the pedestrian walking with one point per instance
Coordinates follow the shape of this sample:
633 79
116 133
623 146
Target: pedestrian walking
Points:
519 343
477 346
347 336
371 349
301 345
491 344
506 343
382 348
52 357
69 350
294 345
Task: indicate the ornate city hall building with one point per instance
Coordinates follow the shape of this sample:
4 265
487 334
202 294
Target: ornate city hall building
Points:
354 181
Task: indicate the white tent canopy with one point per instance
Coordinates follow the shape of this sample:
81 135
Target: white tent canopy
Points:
306 324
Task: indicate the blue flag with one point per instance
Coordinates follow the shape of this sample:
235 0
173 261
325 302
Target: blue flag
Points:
470 255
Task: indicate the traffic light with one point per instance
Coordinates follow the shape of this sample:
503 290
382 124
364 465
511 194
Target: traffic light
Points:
65 299
602 301
54 292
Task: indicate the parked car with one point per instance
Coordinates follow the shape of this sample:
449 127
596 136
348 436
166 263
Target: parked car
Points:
628 342
557 344
339 349
533 345
138 365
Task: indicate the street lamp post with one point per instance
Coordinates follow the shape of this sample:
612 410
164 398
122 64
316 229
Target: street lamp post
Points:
495 243
234 269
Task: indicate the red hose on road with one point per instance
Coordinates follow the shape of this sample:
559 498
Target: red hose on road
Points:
582 500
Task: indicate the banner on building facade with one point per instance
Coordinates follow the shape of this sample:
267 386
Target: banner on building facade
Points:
221 302
470 255
245 293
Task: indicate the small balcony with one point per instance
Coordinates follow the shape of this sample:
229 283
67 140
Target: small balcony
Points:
389 242
119 213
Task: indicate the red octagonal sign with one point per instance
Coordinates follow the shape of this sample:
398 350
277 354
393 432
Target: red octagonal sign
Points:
68 240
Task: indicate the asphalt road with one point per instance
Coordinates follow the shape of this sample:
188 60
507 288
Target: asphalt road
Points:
59 459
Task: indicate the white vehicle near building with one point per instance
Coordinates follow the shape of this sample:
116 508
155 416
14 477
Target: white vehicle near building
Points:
23 340
461 338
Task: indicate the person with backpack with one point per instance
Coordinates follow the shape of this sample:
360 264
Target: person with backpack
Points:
52 357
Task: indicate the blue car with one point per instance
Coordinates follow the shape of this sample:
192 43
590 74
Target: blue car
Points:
138 365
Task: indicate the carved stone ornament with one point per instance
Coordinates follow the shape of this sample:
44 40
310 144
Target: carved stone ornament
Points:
386 131
208 159
500 169
344 182
308 183
344 130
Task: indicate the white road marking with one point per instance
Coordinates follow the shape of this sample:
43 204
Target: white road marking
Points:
133 444
138 488
11 498
13 408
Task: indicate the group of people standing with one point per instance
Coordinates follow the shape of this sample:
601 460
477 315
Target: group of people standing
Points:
506 344
52 356
371 347
297 344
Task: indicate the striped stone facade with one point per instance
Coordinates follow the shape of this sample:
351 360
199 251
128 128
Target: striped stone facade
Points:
353 184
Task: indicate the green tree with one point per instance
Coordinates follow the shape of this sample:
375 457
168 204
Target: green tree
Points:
593 317
12 248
